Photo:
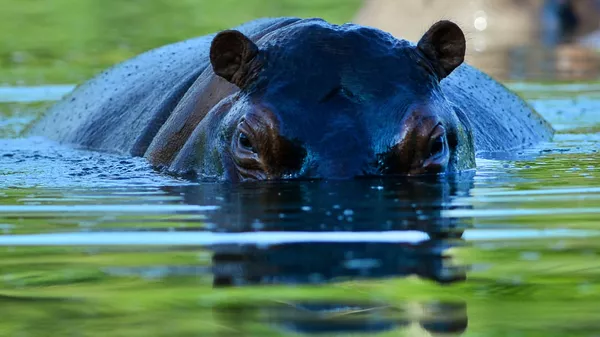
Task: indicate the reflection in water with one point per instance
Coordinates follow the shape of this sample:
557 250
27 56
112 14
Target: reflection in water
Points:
359 205
362 205
447 319
324 262
312 263
313 318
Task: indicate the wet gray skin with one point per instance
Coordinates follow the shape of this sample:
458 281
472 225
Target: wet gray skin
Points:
299 98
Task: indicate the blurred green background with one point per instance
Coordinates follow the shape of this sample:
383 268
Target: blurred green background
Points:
66 41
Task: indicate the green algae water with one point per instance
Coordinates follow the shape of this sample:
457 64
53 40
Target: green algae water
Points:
93 244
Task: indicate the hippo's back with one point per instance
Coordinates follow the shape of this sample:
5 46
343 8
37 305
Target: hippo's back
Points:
122 108
500 119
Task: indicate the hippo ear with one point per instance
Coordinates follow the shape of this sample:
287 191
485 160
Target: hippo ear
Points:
444 46
231 56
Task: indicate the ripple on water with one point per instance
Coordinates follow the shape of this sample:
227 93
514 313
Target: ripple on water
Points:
35 162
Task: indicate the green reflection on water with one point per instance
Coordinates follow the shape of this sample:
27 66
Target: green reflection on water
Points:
71 290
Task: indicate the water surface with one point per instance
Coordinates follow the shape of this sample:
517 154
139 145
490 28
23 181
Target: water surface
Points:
96 243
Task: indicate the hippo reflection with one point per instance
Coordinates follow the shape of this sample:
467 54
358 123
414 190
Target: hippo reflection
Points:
375 205
408 203
349 317
310 263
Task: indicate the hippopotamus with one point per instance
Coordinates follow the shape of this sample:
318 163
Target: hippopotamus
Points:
293 98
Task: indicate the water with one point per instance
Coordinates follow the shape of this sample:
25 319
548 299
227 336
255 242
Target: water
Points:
93 244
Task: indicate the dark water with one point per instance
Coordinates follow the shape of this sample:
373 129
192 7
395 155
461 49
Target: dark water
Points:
93 244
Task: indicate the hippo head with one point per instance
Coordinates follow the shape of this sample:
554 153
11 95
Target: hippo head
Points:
325 101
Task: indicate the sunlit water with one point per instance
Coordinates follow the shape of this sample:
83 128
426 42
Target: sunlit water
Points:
96 244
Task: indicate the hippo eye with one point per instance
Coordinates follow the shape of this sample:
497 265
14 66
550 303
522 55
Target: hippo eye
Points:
437 146
245 142
438 141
